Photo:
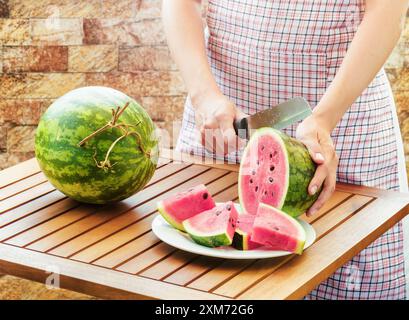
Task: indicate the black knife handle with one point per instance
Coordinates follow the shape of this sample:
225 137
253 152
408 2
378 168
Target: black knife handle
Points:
241 128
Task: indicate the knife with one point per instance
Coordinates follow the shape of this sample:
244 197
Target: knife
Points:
279 117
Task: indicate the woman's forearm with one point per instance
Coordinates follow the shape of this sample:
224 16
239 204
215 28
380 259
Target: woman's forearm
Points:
184 30
374 40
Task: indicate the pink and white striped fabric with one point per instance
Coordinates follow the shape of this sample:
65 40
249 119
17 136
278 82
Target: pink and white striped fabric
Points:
265 52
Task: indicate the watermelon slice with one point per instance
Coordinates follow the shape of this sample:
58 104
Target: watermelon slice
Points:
276 169
214 227
244 229
185 205
277 230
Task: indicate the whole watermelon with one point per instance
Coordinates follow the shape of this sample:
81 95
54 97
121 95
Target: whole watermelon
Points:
97 145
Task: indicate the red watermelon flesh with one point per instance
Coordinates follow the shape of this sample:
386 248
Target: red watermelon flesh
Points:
242 236
185 205
276 169
214 227
277 230
263 174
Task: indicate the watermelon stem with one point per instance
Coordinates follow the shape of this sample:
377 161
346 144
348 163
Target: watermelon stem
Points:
125 128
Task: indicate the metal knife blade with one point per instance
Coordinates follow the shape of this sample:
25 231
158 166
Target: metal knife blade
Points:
278 117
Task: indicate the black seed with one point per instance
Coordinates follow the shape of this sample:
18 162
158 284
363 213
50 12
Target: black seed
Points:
256 189
265 193
272 194
262 147
218 212
205 195
258 162
276 228
228 207
271 156
272 168
271 179
251 180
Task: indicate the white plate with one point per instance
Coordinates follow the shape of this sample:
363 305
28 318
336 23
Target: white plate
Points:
181 240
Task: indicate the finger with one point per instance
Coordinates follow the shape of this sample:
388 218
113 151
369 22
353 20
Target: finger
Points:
315 150
318 179
229 135
326 193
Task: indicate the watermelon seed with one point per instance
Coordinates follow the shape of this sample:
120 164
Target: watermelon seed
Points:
262 148
256 189
271 156
253 172
276 228
265 193
271 179
218 212
272 168
258 162
205 195
251 180
228 207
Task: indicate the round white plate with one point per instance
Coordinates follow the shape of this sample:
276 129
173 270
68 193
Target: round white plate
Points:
182 241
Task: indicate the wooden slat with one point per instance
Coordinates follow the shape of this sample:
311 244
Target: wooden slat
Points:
25 196
193 270
22 185
334 201
264 267
32 206
49 212
108 244
144 260
332 251
89 279
215 276
168 265
18 172
39 217
107 213
45 222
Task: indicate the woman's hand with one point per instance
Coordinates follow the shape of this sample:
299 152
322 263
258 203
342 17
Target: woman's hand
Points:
214 118
313 133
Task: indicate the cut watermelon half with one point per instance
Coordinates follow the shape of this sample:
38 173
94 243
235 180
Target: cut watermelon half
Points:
277 230
214 227
242 236
185 205
276 169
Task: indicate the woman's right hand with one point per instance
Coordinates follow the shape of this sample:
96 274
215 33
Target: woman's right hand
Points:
214 118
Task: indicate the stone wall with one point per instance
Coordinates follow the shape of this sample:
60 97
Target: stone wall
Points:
48 47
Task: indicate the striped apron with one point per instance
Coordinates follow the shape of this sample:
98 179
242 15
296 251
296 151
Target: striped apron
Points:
265 52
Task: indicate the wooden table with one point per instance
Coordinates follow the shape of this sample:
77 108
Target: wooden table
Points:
111 252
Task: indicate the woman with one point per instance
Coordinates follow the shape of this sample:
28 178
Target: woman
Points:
258 53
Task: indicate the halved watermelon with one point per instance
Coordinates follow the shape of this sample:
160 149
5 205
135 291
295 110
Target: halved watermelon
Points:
244 229
214 227
277 230
185 205
276 169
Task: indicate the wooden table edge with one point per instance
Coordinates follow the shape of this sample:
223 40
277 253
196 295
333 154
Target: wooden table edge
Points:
91 279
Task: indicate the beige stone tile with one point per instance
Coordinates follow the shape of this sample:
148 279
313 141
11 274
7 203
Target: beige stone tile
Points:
145 58
22 111
14 32
125 32
35 59
39 85
55 8
56 31
150 83
93 58
21 139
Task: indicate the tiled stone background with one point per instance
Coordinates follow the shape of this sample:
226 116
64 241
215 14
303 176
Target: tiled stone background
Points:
48 47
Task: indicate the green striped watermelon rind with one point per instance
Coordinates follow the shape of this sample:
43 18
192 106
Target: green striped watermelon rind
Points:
72 169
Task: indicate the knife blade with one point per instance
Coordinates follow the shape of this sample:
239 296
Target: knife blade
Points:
279 117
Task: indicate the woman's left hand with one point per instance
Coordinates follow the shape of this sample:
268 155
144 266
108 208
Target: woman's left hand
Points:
313 133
